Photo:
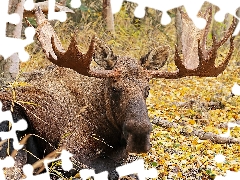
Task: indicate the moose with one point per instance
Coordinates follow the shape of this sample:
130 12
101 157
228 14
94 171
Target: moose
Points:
98 113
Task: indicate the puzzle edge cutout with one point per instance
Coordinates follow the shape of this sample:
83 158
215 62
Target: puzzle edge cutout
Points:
30 32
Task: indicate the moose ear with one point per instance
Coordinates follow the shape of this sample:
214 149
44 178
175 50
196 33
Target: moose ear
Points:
103 55
156 58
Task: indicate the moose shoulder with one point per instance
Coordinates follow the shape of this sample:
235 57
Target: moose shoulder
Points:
100 114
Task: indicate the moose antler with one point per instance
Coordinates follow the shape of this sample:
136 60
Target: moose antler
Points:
72 58
206 58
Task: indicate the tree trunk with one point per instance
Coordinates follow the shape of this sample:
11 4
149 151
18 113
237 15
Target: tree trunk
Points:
178 25
238 12
187 37
9 68
218 30
108 16
238 15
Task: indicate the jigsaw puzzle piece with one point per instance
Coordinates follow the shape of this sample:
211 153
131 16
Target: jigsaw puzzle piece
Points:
29 5
191 6
28 171
52 15
87 173
142 4
163 6
13 45
66 162
225 7
9 45
137 167
21 125
5 17
5 163
66 166
75 3
237 30
116 5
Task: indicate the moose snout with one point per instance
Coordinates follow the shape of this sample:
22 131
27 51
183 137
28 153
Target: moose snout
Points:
137 136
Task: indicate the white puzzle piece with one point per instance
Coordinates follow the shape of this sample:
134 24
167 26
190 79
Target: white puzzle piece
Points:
9 45
192 8
21 125
66 165
5 163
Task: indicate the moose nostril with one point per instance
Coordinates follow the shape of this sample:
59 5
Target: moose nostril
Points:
138 143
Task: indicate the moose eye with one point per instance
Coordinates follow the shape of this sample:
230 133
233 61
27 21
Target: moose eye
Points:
116 92
114 89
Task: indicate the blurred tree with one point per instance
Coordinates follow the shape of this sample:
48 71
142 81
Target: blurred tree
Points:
108 16
238 15
178 26
9 68
219 27
189 41
238 12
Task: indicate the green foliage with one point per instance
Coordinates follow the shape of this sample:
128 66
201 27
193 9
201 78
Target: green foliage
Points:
32 21
154 164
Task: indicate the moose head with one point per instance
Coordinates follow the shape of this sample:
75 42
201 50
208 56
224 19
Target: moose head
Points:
126 80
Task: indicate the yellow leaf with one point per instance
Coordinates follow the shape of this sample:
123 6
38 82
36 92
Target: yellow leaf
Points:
161 161
179 174
198 147
184 148
208 99
194 142
191 121
219 165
